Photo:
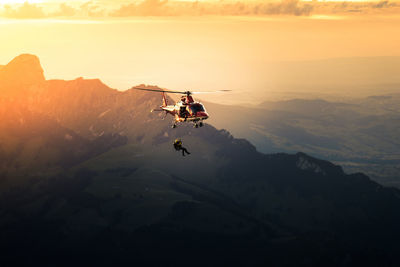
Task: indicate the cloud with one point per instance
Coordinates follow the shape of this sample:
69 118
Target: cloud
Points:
384 4
104 9
64 11
92 9
145 8
25 11
287 7
382 7
174 8
260 8
38 11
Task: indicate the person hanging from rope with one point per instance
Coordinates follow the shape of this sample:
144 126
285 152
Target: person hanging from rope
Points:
178 146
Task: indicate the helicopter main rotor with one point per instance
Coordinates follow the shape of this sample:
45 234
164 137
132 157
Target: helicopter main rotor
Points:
188 93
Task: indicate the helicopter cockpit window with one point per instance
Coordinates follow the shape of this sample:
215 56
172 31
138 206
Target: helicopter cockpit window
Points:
197 108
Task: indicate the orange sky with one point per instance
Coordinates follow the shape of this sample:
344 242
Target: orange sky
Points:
195 52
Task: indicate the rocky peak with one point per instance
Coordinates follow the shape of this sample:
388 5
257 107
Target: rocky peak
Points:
21 74
308 163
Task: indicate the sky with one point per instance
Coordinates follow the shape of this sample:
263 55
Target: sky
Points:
203 45
126 8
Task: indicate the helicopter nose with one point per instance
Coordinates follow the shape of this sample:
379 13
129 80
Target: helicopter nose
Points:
202 115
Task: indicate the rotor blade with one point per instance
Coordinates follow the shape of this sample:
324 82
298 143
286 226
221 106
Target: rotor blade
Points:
158 90
181 92
211 92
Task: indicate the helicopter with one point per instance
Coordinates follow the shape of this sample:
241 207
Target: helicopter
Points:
185 110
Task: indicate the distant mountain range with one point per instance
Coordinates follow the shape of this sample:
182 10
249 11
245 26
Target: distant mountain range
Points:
360 134
89 177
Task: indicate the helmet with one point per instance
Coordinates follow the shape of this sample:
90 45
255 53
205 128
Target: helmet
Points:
178 141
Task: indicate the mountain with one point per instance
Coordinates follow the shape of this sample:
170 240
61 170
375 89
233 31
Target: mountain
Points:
92 109
26 66
33 143
113 191
144 200
360 134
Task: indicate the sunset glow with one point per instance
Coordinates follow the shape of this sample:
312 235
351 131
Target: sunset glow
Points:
177 43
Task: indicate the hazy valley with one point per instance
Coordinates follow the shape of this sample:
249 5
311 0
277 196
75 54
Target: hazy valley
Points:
359 134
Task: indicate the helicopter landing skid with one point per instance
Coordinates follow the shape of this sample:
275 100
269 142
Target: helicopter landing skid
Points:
197 125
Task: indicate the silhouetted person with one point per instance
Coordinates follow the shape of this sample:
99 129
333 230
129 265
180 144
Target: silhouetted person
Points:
183 112
178 146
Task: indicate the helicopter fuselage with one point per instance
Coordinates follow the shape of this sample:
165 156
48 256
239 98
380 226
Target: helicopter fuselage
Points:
187 112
